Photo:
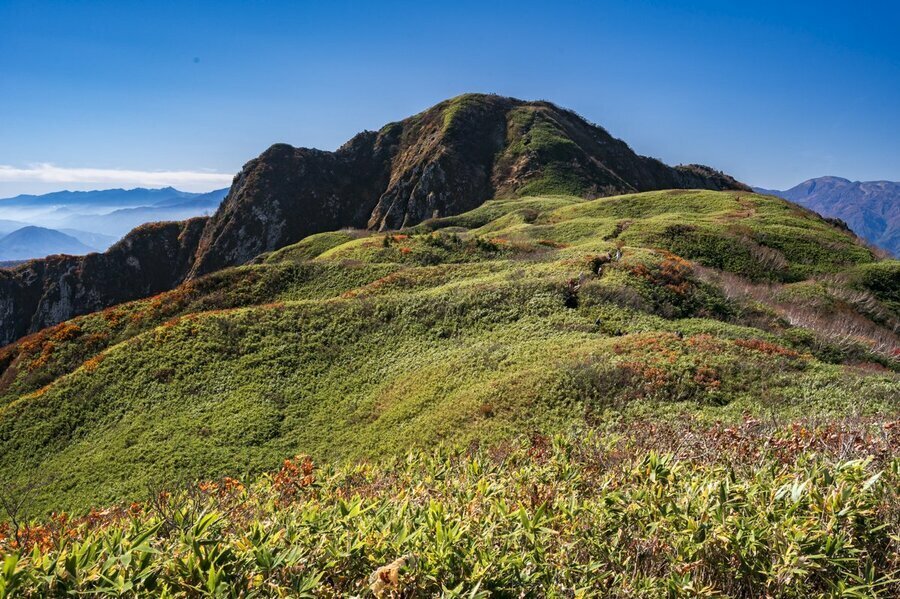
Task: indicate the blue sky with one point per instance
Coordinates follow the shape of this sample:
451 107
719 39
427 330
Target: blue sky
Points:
109 94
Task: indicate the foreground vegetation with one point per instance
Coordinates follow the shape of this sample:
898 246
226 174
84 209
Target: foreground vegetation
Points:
743 511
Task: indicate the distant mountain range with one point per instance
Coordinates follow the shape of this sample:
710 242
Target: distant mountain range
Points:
115 198
35 242
870 208
81 222
109 213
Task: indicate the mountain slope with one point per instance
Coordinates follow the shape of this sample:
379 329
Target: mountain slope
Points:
8 226
41 293
532 313
443 161
870 208
446 160
35 242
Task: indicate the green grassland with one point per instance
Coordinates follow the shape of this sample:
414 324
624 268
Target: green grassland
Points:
528 314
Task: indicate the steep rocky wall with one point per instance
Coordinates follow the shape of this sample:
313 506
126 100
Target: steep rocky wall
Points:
41 293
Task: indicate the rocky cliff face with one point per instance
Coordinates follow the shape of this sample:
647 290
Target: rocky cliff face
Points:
443 161
41 293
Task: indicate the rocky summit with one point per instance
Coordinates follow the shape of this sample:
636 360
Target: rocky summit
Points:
444 161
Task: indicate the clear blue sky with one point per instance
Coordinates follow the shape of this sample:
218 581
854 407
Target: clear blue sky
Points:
771 92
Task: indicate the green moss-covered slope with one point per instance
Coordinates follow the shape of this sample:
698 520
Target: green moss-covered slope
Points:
523 314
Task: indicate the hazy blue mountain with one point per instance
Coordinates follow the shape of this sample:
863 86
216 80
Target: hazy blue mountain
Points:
119 222
210 199
870 208
97 241
37 242
138 196
107 213
8 226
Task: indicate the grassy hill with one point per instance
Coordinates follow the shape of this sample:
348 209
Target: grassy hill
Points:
681 393
528 314
444 161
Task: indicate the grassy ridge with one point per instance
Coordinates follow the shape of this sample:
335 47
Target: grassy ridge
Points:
515 316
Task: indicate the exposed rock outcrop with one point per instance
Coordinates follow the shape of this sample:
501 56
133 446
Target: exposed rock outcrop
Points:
150 259
446 160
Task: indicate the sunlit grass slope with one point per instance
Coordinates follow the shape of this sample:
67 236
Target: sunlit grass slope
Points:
523 315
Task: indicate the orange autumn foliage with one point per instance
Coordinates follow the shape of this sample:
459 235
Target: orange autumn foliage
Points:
766 347
295 475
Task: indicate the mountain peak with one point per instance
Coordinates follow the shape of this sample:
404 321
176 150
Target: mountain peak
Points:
31 230
827 179
444 160
33 242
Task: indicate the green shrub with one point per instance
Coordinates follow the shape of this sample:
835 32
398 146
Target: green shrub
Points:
579 515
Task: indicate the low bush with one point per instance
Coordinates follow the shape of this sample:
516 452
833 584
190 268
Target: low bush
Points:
577 515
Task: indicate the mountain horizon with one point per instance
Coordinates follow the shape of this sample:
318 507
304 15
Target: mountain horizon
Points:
870 208
116 195
107 214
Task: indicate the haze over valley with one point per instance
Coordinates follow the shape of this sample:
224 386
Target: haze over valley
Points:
80 222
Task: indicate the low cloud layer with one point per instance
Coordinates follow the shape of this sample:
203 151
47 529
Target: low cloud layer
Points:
99 178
